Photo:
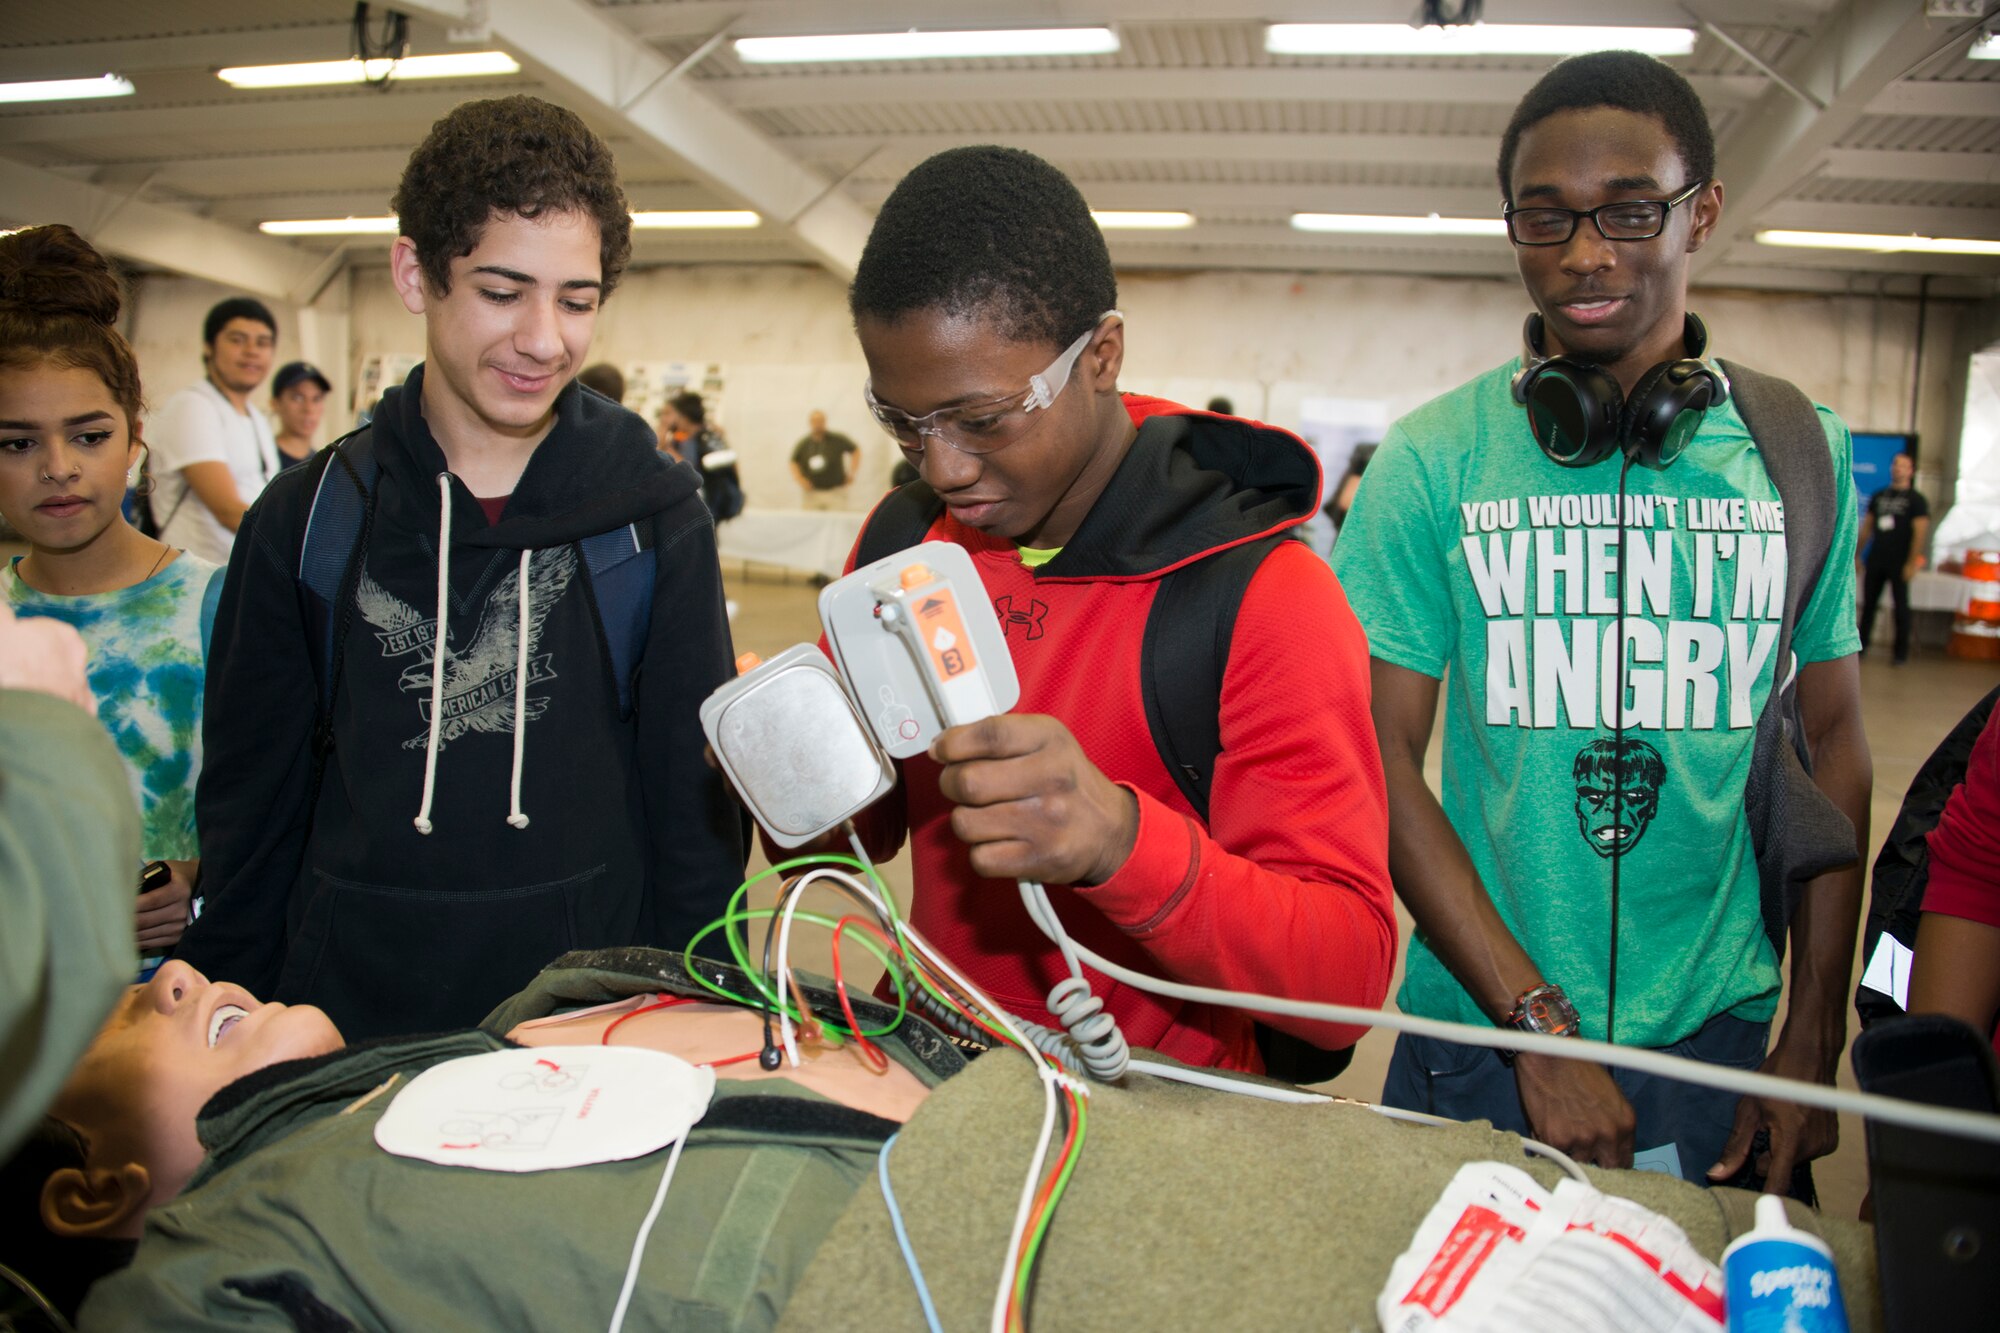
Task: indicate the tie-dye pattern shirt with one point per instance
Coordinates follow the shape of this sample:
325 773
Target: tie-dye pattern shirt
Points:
148 654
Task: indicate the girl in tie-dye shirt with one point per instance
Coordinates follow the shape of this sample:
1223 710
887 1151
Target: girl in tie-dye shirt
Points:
69 418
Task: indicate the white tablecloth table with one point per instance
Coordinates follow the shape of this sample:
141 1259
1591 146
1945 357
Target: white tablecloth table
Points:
1932 591
812 542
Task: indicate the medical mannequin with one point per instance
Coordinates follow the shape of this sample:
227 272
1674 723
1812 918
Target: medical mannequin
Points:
776 1205
174 1043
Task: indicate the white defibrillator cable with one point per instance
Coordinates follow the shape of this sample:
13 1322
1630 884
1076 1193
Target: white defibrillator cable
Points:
639 1241
1892 1110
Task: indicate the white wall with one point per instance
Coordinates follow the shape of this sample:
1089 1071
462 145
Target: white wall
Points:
165 331
782 336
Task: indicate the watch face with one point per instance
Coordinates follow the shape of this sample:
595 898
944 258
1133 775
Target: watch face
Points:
1550 1011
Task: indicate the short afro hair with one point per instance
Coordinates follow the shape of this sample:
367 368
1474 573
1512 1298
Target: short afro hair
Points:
516 155
993 232
1628 81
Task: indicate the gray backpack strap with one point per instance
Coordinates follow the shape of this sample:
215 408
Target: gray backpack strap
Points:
1796 831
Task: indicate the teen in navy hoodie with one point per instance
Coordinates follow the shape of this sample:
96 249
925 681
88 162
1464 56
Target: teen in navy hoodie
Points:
474 818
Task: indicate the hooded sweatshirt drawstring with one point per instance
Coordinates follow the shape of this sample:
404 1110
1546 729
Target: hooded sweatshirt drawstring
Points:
423 820
516 817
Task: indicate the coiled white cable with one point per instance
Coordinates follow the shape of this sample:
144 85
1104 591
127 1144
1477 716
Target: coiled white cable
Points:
1101 1048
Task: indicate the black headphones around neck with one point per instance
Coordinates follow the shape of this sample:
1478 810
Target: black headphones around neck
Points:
1580 417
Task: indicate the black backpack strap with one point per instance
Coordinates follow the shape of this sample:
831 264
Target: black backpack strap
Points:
621 583
901 521
330 560
1183 658
1796 831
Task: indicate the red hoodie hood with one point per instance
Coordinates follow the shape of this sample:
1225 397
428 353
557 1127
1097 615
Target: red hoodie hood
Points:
1192 483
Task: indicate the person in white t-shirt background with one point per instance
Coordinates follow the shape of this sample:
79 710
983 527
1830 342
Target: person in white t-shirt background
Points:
212 452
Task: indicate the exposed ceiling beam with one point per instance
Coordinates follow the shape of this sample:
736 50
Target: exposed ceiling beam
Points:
361 113
1857 53
1456 150
688 18
319 170
1213 200
594 62
1884 219
1937 97
159 236
1882 164
1433 84
250 209
208 50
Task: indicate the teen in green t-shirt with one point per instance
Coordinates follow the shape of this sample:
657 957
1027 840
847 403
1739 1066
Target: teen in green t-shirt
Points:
1471 556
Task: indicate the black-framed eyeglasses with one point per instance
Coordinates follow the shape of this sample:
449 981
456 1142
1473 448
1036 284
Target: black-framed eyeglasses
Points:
1626 220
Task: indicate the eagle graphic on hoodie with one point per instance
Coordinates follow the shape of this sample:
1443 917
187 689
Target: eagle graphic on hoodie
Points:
479 682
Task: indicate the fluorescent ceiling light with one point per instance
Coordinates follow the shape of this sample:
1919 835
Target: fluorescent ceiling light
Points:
697 219
1127 220
329 227
1376 225
928 45
1475 39
1845 240
458 65
66 90
1986 48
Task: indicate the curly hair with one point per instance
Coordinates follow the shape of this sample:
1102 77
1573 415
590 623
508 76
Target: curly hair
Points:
516 155
995 231
59 306
1628 81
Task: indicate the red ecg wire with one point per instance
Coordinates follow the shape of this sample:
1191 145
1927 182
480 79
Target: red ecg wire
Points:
671 1002
871 1054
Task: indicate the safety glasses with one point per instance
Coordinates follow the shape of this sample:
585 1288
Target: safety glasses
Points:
985 427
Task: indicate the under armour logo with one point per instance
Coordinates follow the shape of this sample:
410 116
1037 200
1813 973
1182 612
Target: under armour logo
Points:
1029 618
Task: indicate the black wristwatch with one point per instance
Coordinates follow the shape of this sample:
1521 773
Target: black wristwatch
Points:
1541 1008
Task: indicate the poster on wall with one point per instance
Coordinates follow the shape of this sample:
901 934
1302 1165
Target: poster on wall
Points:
1874 450
649 384
379 372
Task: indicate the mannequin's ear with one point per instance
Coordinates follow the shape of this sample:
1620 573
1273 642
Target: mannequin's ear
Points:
81 1203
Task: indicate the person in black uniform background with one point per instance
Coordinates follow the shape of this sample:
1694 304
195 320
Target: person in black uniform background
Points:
1892 546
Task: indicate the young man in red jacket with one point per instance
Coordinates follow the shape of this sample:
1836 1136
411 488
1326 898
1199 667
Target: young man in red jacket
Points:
986 308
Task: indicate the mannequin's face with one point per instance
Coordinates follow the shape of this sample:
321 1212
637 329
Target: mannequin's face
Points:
168 1047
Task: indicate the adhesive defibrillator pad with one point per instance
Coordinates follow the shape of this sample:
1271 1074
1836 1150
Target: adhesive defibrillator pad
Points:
793 745
546 1108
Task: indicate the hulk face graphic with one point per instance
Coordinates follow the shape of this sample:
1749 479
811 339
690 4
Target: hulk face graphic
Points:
1617 793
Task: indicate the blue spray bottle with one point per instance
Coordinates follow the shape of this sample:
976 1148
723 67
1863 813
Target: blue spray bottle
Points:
1779 1279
